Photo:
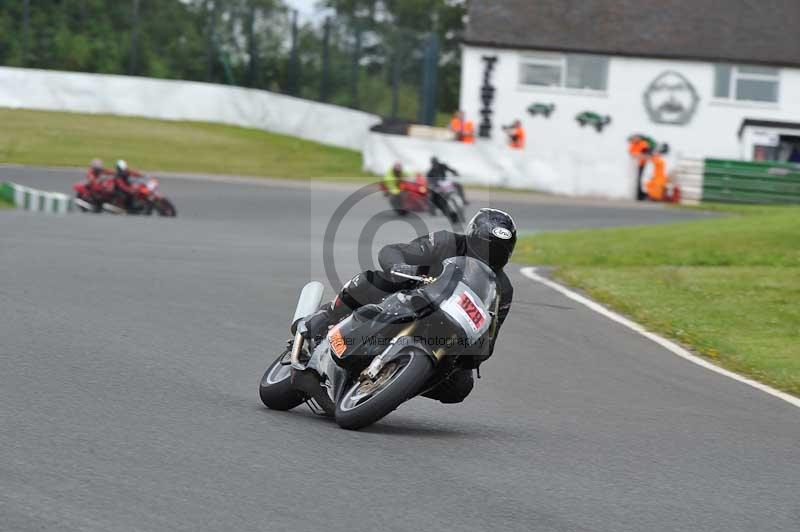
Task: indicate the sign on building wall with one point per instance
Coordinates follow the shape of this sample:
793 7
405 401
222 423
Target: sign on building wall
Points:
487 96
671 99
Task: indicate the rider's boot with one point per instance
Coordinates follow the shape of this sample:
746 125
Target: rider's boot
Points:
364 288
315 326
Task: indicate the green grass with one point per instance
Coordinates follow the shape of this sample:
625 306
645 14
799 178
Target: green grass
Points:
70 139
727 287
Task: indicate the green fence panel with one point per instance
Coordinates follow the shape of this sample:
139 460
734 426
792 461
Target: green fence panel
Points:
7 192
751 182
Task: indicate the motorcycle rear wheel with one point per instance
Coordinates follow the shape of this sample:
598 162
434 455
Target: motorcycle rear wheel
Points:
275 388
365 402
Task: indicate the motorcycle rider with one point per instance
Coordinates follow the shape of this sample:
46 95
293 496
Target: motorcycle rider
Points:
96 172
490 237
122 183
94 177
439 172
392 179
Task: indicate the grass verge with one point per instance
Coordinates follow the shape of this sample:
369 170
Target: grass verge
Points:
71 139
728 287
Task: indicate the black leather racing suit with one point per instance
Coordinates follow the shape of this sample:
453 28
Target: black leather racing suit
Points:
427 253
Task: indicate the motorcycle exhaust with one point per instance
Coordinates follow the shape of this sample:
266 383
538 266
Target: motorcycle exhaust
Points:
308 303
83 204
113 209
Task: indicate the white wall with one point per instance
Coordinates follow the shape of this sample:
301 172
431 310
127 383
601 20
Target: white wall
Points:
563 157
183 100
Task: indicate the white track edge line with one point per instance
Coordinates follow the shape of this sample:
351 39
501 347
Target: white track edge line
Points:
530 273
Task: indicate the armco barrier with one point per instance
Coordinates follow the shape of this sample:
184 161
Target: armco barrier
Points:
31 199
725 181
751 182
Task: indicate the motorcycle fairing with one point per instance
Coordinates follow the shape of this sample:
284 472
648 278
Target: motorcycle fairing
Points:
468 310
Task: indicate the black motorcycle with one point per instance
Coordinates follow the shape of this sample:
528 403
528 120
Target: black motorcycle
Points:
383 355
449 200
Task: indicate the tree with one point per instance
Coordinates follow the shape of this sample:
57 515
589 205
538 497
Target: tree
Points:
371 44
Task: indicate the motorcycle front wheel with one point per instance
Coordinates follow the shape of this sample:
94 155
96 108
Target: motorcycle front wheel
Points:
456 212
396 203
275 388
164 207
367 401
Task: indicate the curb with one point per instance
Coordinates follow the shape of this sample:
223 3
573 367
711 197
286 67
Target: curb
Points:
532 274
34 200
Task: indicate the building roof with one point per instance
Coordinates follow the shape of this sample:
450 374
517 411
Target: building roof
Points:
739 31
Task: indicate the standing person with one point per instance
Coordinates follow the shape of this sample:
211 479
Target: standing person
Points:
457 125
657 185
469 132
639 148
516 135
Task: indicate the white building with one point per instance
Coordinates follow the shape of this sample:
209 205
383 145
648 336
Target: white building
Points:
688 73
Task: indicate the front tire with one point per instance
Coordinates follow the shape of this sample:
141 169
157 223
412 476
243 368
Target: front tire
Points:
275 388
164 207
364 403
456 214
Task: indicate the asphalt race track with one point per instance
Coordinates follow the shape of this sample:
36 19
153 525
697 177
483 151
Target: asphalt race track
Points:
131 350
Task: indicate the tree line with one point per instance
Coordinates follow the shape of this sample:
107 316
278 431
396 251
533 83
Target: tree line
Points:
367 54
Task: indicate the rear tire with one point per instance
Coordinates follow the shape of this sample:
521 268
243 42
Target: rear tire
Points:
275 388
354 410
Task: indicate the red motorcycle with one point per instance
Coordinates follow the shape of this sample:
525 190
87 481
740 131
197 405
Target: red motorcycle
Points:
91 195
413 196
103 196
147 199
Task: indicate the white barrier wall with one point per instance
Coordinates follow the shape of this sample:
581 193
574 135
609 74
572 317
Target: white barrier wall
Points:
568 172
184 100
484 163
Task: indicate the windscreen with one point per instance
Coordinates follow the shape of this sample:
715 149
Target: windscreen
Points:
472 272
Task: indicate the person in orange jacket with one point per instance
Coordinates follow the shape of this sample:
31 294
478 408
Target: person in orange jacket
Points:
463 129
469 132
640 148
516 135
457 125
656 187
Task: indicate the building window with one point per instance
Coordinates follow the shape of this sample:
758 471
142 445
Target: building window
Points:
746 83
571 71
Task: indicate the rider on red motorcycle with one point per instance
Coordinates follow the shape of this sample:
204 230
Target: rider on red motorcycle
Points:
95 174
91 193
122 183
